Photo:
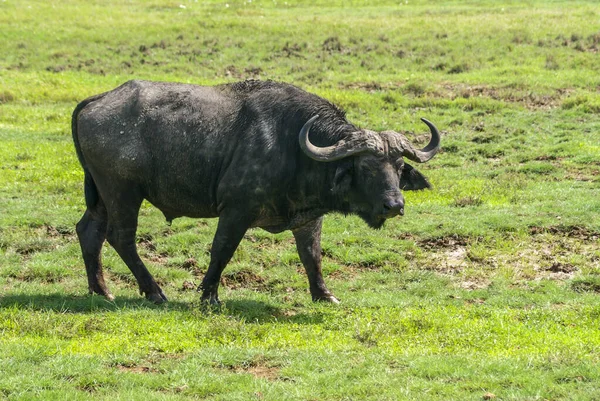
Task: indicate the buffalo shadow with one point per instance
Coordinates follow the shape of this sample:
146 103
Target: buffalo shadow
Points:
250 311
70 303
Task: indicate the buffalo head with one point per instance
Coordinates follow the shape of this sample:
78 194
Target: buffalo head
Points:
372 171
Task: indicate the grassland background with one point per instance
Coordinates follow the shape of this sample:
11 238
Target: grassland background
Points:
487 288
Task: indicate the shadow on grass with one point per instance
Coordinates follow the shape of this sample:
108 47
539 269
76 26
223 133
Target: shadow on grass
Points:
250 311
68 303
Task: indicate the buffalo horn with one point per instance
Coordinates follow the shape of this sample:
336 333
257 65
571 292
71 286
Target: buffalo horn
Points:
346 147
425 154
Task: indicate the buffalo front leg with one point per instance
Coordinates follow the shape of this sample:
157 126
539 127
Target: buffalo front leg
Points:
91 231
230 231
308 243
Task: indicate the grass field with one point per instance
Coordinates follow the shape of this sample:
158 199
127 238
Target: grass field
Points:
488 287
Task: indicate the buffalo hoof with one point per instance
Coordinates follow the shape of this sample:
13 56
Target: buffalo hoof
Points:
157 297
210 300
327 298
210 304
104 292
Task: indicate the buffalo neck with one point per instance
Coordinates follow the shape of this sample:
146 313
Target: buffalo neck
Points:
313 190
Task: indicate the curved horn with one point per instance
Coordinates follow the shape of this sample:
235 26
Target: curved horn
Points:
344 147
427 153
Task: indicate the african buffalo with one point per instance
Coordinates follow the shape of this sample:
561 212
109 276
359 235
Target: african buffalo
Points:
240 152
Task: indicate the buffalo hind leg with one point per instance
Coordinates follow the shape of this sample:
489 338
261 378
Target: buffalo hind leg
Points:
230 231
91 231
122 227
308 243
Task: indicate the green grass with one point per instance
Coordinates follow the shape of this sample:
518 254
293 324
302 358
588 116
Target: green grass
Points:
488 288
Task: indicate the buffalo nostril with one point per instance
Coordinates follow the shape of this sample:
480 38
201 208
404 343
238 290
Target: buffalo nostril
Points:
393 208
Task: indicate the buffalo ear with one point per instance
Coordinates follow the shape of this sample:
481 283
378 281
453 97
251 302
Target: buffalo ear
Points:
343 178
412 180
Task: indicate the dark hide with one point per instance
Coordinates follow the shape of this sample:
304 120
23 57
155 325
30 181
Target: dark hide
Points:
228 151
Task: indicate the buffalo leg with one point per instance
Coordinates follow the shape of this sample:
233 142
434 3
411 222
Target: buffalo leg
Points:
230 231
122 227
308 243
91 231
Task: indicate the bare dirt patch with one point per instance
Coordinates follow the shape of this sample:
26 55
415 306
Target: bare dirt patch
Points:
243 279
132 368
546 255
263 372
366 86
259 367
332 45
581 174
190 264
136 369
527 99
145 240
188 286
160 258
446 255
474 283
578 232
452 91
589 44
558 267
60 232
293 50
450 241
